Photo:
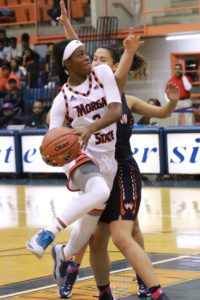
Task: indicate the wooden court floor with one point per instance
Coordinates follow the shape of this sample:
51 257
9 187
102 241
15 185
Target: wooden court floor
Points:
170 221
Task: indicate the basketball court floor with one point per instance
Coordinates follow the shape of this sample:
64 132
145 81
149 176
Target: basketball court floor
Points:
169 218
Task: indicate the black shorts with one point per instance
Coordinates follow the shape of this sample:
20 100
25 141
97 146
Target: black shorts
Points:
125 197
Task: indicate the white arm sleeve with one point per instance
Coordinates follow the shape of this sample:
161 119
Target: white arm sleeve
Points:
57 113
186 83
166 98
107 78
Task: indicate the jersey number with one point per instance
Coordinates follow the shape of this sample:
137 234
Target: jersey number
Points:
97 116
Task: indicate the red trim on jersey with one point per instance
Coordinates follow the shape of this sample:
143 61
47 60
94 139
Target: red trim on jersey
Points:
135 197
67 85
81 159
80 93
97 80
95 212
122 210
68 120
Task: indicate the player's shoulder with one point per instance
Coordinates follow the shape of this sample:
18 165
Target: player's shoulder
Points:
59 96
103 69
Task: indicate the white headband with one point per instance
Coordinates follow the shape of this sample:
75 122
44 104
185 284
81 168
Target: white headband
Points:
70 48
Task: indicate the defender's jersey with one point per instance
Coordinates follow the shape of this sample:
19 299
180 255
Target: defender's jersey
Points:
124 132
87 102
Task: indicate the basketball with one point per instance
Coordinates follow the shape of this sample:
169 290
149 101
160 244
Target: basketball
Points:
61 145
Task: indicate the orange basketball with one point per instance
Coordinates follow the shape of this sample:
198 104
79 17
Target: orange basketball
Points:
61 145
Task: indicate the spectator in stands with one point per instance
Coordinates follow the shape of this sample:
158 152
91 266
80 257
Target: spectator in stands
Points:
19 71
5 76
52 79
30 60
38 117
3 36
148 120
54 12
184 112
25 42
14 49
9 117
86 8
13 96
4 51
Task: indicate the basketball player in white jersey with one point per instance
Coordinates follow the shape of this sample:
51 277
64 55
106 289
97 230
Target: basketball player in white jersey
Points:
91 104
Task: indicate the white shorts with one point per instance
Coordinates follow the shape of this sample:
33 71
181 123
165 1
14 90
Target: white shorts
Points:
106 162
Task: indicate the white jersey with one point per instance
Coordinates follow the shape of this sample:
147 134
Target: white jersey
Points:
85 103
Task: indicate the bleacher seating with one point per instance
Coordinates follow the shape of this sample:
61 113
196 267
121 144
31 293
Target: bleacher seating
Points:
30 95
24 10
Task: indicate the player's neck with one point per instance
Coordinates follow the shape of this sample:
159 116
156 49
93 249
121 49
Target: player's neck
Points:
75 80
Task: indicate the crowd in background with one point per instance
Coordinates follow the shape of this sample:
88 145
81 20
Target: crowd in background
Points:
21 67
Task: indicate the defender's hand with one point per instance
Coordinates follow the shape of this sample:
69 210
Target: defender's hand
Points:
173 92
63 15
132 43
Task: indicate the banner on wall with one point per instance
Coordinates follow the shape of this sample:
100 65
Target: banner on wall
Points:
145 144
31 158
172 150
7 154
146 151
183 153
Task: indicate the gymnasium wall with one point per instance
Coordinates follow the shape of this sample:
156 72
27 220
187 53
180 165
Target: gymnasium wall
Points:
157 51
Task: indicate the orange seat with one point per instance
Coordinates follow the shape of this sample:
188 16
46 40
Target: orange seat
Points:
43 6
20 14
2 3
76 10
12 2
26 1
30 13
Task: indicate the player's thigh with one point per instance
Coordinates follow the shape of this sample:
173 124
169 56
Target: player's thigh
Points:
121 231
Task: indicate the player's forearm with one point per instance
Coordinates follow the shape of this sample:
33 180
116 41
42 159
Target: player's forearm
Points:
124 66
113 115
167 109
69 30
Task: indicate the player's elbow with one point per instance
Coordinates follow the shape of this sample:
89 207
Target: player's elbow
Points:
117 111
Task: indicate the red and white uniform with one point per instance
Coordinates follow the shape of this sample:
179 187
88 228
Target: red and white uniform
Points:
184 111
184 84
84 104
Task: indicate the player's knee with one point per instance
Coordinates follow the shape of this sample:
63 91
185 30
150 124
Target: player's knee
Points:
97 243
99 188
102 193
121 240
